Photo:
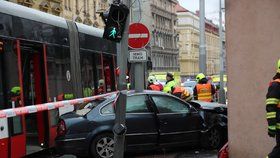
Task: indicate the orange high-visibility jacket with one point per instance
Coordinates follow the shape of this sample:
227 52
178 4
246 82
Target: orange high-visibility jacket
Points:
154 87
204 92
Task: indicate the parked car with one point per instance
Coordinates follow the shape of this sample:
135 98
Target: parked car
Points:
153 119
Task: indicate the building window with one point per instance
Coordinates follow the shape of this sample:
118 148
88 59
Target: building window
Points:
77 7
27 3
56 9
65 4
70 5
94 10
85 7
44 6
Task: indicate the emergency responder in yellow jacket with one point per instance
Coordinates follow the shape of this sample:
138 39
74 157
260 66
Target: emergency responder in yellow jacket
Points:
170 83
203 90
273 112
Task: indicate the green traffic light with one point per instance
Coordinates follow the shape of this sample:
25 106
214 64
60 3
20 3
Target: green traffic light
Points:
113 32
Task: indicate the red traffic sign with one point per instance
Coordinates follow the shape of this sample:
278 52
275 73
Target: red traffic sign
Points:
139 36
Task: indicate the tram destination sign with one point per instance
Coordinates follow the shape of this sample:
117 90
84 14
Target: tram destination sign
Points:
137 56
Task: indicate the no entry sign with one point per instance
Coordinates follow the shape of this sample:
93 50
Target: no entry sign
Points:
139 36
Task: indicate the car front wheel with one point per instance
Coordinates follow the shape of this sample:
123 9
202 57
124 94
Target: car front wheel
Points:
212 139
103 146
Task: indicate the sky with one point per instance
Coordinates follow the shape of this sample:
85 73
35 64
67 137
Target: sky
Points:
211 8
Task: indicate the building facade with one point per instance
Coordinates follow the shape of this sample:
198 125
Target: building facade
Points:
188 30
160 18
82 11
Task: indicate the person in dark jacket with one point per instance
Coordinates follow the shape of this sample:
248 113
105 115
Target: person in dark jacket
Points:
273 112
203 90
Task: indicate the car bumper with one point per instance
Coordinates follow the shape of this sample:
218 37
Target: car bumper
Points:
75 146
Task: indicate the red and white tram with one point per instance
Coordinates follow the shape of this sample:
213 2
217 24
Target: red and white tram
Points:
45 58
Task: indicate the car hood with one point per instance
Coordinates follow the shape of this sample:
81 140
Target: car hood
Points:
210 105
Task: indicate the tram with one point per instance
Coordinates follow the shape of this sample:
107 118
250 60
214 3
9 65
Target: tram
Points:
45 58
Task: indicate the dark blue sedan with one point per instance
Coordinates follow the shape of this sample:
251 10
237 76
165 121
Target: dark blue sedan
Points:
154 120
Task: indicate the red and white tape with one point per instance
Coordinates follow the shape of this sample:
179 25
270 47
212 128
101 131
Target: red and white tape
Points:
6 113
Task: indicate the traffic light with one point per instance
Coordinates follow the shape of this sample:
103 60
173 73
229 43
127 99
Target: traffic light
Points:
1 46
115 19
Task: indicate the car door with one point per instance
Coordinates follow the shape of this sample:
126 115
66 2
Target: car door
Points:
178 122
141 124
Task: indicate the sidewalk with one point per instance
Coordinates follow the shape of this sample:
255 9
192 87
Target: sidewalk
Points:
180 154
159 154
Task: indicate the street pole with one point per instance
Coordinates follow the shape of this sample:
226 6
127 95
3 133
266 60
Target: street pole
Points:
139 75
119 127
222 98
202 46
138 67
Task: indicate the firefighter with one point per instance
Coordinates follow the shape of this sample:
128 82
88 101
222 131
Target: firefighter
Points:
153 84
15 96
170 83
182 93
203 90
273 112
100 89
127 83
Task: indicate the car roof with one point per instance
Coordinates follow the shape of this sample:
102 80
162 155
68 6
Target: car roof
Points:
133 92
112 97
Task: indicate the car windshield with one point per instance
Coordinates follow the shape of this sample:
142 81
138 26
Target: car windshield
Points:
84 108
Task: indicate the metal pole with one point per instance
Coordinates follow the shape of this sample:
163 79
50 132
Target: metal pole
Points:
202 46
139 77
138 67
119 127
221 90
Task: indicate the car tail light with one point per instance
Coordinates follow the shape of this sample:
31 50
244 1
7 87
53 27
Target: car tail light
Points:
223 153
61 128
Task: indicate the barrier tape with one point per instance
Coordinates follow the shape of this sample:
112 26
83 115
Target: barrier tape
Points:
6 113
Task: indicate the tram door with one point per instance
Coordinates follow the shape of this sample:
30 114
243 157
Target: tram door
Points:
12 138
34 92
108 68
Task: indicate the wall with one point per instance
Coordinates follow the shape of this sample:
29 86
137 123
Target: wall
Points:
253 46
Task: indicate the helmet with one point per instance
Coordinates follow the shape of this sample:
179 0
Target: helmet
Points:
278 66
151 79
15 90
200 76
100 82
169 75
